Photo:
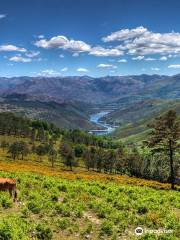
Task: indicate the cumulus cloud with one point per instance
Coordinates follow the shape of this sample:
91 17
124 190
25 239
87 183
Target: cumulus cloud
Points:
138 58
61 56
49 73
19 58
2 16
105 52
155 69
104 65
125 34
82 70
11 48
175 66
141 41
63 42
122 61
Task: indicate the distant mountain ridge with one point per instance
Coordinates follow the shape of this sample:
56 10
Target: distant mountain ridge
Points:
69 101
93 90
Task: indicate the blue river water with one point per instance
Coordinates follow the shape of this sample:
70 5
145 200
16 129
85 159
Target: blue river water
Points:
104 127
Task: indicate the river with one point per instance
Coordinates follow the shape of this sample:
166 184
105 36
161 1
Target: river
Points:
104 127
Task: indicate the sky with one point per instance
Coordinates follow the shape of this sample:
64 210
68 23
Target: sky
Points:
89 37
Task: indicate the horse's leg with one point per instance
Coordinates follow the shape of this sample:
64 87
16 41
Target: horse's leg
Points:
15 195
10 192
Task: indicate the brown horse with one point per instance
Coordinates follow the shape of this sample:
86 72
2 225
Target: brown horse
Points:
8 184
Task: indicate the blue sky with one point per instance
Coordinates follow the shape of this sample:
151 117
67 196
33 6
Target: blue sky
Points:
88 37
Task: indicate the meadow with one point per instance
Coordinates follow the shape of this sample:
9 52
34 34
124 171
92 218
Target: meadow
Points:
57 208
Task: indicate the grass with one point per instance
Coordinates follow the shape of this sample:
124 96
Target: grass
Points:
55 203
56 208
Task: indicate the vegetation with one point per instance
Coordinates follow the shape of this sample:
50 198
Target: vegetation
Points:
73 185
74 148
56 208
164 138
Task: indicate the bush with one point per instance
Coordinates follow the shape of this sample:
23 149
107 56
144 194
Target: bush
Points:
43 232
5 232
142 210
107 228
34 207
5 200
63 223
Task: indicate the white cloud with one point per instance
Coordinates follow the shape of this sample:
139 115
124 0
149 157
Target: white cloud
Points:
64 69
19 58
105 52
150 59
75 54
125 34
164 58
32 54
175 66
2 16
141 41
155 69
11 48
82 70
41 36
104 65
62 42
49 73
122 61
61 56
138 58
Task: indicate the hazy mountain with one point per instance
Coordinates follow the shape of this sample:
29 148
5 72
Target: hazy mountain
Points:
68 101
94 90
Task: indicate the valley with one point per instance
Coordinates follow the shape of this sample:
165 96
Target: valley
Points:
105 127
73 102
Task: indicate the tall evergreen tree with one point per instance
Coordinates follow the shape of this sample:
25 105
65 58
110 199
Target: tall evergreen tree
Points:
164 138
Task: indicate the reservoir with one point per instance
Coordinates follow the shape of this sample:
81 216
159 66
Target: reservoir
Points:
105 128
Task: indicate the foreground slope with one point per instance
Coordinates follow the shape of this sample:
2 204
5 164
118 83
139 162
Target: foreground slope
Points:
56 208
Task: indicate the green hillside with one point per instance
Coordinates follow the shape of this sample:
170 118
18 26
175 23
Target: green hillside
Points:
133 120
56 208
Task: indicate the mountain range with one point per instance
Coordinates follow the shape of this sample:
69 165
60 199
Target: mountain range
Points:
69 101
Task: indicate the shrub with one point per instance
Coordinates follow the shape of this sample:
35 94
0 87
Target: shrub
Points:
43 232
63 223
142 210
34 207
62 188
5 200
5 232
107 228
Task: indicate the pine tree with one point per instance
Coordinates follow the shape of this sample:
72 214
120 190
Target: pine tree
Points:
164 138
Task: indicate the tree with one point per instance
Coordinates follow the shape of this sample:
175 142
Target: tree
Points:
67 154
4 144
87 158
164 138
14 150
52 155
41 151
23 149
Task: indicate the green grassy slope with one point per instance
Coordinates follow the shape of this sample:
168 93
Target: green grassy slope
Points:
63 115
56 208
134 119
